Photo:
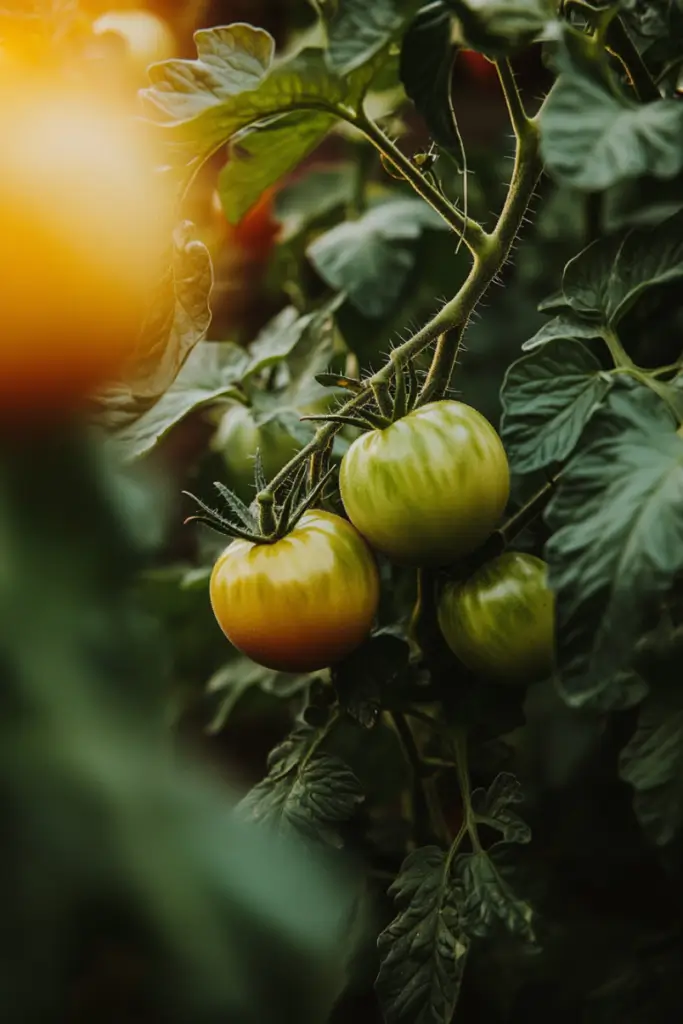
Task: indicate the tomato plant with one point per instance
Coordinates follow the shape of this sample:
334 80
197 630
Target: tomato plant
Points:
500 621
301 603
443 641
430 487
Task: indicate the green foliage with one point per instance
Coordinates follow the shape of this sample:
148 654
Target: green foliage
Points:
488 823
595 134
424 950
548 398
370 258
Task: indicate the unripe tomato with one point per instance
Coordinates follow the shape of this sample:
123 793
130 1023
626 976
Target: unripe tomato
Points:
85 230
301 603
501 621
237 439
429 488
148 39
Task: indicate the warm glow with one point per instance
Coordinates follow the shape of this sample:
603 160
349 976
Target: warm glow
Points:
85 228
148 38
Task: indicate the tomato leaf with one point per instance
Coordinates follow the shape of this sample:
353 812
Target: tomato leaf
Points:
179 318
548 398
426 71
211 372
311 795
358 31
489 900
492 808
565 326
616 547
199 105
499 28
652 763
424 949
260 157
608 277
364 681
593 137
313 197
371 258
239 675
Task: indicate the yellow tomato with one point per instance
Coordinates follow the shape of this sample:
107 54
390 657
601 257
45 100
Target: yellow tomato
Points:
301 603
85 229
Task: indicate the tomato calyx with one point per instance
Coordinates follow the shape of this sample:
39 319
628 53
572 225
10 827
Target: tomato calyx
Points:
271 516
386 402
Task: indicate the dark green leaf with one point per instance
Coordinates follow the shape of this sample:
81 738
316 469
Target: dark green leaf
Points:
239 675
311 198
608 277
426 70
368 675
424 949
211 372
492 808
564 327
260 157
593 137
548 398
498 28
359 31
488 901
370 258
617 544
308 794
652 762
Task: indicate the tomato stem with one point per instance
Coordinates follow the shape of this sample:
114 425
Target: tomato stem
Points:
443 364
462 767
470 230
424 827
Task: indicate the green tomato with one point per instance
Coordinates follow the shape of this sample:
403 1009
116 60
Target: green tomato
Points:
238 437
501 621
430 488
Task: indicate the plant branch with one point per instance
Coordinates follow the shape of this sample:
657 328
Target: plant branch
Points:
494 251
518 116
421 815
462 766
470 230
440 372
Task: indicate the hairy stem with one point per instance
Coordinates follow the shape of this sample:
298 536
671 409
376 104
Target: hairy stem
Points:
492 252
443 364
470 230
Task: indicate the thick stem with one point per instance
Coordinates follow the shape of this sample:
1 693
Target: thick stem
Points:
471 232
443 364
462 767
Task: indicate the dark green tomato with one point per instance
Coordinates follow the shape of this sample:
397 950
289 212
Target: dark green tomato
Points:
501 621
238 437
430 488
